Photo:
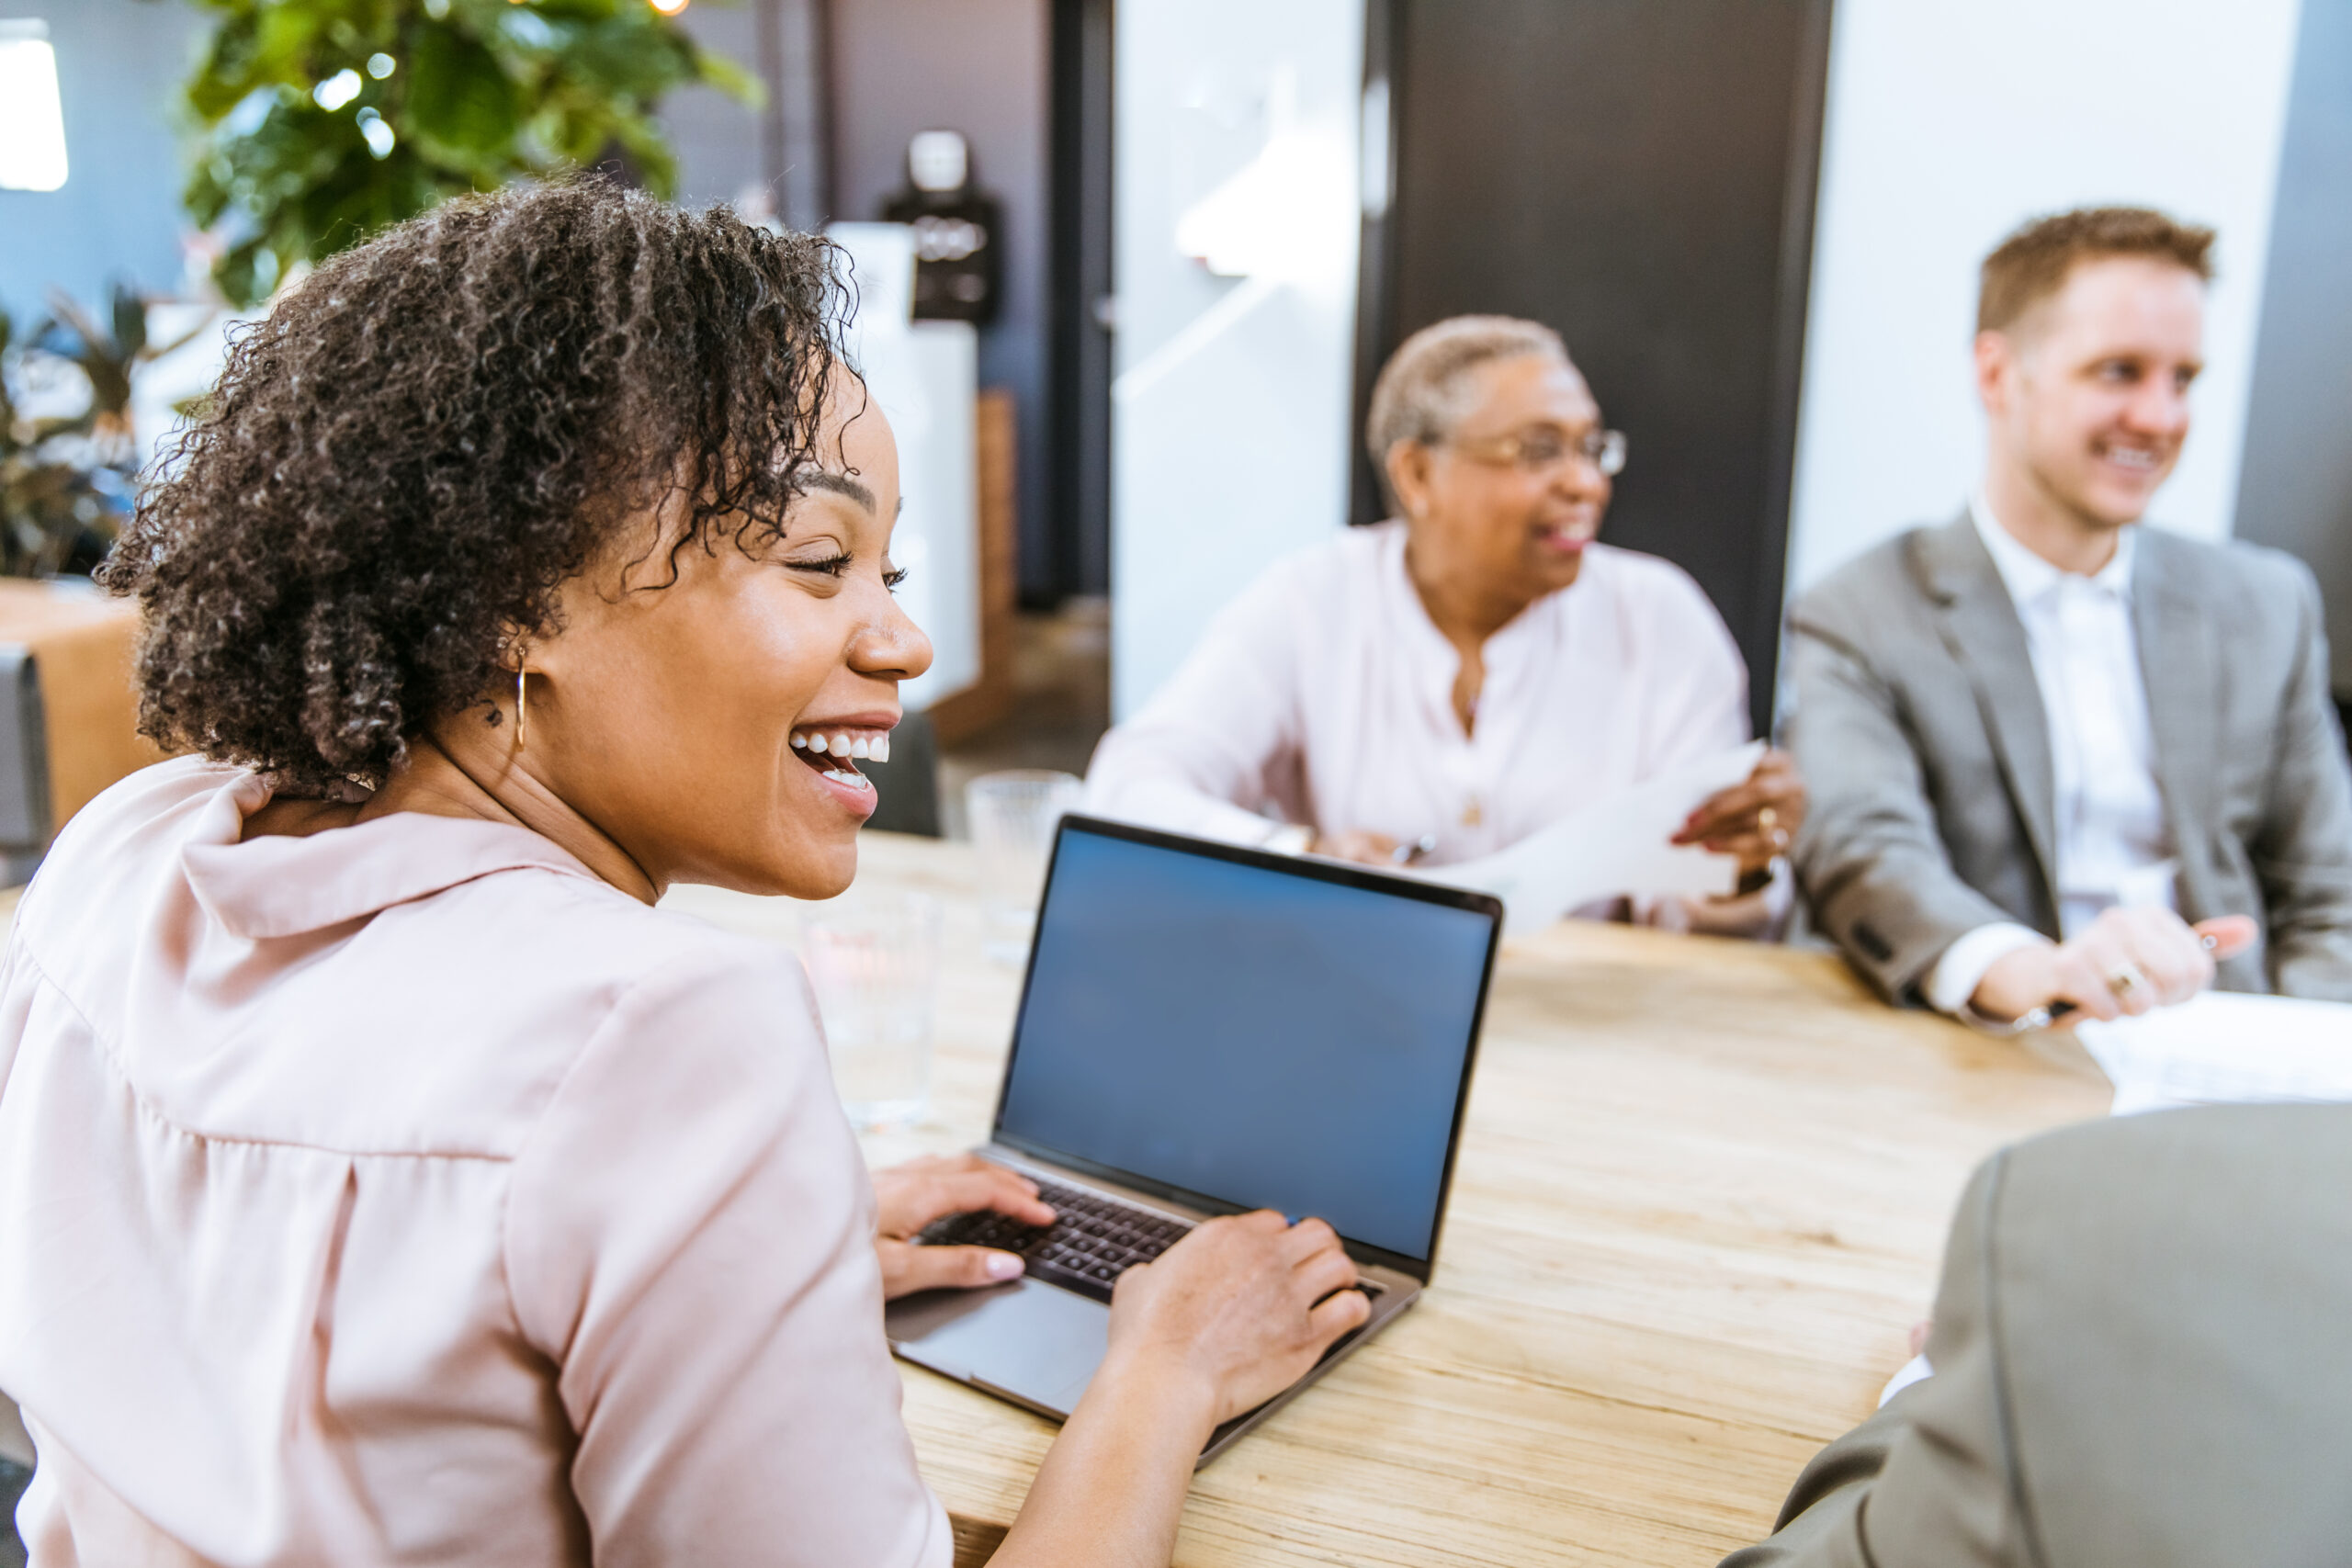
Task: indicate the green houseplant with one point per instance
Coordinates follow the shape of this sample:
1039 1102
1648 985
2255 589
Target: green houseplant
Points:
319 121
67 482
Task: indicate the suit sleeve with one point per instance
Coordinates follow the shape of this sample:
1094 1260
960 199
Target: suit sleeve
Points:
690 1242
1869 860
2303 853
1201 756
1927 1479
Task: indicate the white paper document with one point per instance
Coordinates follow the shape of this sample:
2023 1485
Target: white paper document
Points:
1617 846
2223 1047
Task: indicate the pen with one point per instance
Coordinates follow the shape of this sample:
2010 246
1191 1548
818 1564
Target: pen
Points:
1406 854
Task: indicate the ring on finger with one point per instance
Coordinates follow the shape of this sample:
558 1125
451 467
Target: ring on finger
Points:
2125 978
1774 834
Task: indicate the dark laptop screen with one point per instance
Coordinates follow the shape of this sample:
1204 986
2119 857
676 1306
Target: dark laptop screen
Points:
1247 1033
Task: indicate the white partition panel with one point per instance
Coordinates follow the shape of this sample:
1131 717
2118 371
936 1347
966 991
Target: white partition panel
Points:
1236 225
1948 125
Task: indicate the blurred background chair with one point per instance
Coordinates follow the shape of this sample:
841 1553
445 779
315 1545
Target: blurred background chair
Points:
906 786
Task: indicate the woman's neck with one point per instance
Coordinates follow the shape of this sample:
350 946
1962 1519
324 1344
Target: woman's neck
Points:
1466 611
478 777
1467 607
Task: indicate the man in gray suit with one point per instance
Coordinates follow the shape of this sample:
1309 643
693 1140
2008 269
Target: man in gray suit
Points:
2057 758
2140 1359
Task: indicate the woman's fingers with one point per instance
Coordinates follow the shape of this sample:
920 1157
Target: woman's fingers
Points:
910 1196
1341 1315
907 1268
1774 787
2229 934
1324 1273
1355 844
1302 1241
1726 811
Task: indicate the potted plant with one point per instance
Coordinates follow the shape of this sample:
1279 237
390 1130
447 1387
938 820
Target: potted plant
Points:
318 122
67 479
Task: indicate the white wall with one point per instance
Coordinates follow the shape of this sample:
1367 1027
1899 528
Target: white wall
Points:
1948 124
1237 120
924 377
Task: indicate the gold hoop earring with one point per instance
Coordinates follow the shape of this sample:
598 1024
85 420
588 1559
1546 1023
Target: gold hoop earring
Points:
522 705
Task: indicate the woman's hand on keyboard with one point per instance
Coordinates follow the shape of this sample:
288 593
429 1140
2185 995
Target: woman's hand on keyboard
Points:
908 1197
1233 1309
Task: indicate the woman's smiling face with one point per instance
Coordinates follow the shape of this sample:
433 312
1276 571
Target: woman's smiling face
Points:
700 723
1485 514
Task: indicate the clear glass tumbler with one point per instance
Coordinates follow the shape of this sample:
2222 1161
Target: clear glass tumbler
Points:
874 962
1012 816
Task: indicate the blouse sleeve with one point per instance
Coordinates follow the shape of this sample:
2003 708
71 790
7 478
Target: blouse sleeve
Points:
1699 707
690 1241
1201 756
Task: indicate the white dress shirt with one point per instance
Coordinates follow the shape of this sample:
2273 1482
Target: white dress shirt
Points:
2112 845
1323 698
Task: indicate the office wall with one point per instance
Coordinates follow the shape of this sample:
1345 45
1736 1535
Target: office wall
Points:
1947 125
977 66
716 137
2296 492
1230 406
119 63
1640 178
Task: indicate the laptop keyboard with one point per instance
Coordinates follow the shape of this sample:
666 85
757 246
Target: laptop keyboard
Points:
1092 1241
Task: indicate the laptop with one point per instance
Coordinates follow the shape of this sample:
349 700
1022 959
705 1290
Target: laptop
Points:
1205 1030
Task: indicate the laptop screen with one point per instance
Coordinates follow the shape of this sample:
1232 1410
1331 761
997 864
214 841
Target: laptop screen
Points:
1251 1034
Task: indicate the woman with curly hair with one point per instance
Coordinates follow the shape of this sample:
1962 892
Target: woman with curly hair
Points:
382 1177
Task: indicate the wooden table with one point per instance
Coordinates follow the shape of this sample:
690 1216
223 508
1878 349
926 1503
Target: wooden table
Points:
1700 1199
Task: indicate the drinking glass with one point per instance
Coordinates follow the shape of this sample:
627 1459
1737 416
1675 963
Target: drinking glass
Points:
1012 816
874 962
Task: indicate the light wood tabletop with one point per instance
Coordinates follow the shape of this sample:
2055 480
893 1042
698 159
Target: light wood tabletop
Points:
1700 1199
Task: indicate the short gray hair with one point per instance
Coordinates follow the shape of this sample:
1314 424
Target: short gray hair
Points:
1419 394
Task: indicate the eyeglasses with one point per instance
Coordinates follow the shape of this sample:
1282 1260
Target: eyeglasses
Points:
1542 448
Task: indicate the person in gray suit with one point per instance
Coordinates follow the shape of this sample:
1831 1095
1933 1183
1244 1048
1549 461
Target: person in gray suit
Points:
2140 1359
2058 758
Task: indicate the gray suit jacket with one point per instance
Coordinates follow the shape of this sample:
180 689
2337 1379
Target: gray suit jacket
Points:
2141 1362
1923 742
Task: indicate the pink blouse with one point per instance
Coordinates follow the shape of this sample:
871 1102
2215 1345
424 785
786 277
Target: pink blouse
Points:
403 1194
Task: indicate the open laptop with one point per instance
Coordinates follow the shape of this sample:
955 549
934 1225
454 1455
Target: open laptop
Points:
1206 1030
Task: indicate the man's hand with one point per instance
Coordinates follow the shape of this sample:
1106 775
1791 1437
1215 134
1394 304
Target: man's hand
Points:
2127 963
1757 819
910 1196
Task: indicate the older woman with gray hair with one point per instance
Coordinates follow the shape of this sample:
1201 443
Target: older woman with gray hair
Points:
1447 682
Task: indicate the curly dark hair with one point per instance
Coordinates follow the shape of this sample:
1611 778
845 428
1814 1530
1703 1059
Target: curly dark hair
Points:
423 442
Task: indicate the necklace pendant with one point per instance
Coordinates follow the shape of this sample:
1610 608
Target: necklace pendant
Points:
1471 816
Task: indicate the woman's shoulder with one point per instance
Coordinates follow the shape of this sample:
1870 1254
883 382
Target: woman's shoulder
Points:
1649 584
1321 580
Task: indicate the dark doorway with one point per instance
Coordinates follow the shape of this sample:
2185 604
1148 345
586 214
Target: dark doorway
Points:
1639 175
1074 556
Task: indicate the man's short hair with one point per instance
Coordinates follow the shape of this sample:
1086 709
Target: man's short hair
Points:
2033 264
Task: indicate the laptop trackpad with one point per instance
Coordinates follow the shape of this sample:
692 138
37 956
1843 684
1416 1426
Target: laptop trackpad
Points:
1030 1342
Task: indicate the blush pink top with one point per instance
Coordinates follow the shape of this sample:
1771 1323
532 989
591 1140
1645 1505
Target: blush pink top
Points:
1324 696
405 1194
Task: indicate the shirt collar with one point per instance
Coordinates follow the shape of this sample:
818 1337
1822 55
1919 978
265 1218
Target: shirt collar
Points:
2028 577
280 887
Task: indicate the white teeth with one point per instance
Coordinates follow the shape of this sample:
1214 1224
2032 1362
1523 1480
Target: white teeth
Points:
881 747
850 777
816 743
800 743
840 745
859 747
